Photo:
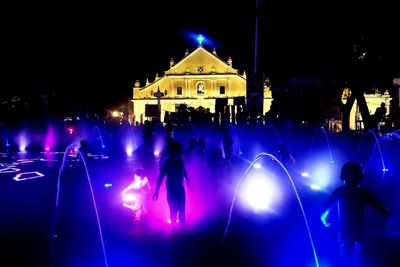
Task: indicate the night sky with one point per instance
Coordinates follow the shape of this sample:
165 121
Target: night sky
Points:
79 49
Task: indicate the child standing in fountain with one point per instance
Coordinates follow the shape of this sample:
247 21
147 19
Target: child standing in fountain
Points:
175 170
134 197
348 202
83 149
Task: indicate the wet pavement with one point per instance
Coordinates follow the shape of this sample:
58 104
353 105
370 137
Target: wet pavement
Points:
90 227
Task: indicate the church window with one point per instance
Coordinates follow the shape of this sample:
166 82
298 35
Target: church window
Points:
200 69
179 90
222 90
200 88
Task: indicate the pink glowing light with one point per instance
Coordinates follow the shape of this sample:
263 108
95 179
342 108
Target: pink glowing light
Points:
170 222
49 139
129 198
134 196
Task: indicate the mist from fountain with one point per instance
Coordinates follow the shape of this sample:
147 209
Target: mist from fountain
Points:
376 144
322 128
260 155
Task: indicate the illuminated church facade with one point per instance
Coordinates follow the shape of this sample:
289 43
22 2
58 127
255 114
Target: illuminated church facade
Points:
201 79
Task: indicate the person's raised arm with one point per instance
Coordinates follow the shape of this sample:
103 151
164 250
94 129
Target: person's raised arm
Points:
378 205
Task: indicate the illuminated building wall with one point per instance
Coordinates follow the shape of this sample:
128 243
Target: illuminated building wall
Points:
373 102
198 79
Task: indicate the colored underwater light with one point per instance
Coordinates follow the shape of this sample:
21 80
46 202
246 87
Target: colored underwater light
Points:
23 161
27 176
70 130
133 195
315 187
9 170
261 192
129 151
305 174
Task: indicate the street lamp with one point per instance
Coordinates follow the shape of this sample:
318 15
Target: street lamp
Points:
158 95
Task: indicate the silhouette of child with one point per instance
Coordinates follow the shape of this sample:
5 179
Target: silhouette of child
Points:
348 202
80 154
135 195
175 170
83 149
227 142
380 115
285 157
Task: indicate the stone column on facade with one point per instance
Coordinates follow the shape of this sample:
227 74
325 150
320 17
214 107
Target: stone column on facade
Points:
229 90
187 89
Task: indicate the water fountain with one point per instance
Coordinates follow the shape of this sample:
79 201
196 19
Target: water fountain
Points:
253 164
325 135
304 203
53 235
278 138
376 145
100 137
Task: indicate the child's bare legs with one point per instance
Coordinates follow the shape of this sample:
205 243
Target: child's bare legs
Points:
350 253
181 211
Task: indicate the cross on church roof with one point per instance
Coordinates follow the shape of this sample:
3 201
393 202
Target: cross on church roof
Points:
158 94
200 39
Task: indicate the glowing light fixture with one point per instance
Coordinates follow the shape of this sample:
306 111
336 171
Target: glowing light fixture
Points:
27 176
305 174
9 170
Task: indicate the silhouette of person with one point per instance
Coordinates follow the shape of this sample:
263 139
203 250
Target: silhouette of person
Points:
190 151
175 171
81 154
348 203
83 149
147 134
285 157
227 142
201 145
380 115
